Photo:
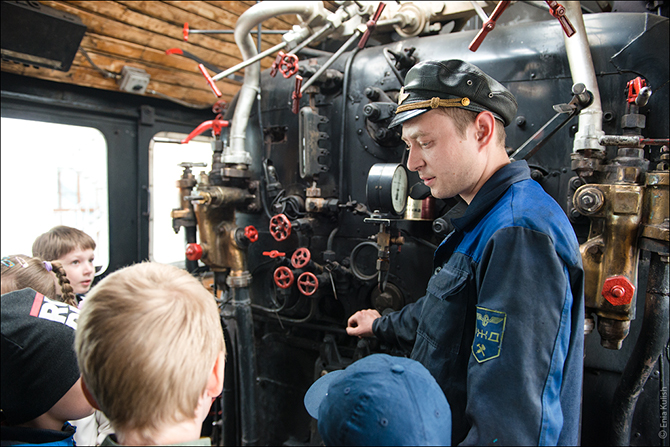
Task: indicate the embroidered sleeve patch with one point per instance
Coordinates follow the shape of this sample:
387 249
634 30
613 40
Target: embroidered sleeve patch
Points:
488 334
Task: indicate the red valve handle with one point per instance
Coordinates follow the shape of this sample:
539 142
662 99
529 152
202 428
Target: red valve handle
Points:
215 125
634 86
251 233
296 94
280 227
193 252
618 290
301 257
307 283
288 65
488 25
283 277
557 10
210 81
372 24
275 64
185 32
274 253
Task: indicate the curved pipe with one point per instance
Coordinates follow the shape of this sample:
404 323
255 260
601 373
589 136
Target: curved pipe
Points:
581 67
258 13
652 339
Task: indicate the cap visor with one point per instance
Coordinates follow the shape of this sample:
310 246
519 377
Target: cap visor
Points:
406 115
318 391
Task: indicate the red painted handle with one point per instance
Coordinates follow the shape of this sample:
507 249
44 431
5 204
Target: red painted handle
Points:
280 227
210 81
193 252
307 283
251 233
301 257
283 277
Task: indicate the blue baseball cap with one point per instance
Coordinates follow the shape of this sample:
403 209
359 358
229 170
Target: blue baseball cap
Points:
380 400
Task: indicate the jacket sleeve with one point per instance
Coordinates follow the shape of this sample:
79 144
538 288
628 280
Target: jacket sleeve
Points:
521 341
399 328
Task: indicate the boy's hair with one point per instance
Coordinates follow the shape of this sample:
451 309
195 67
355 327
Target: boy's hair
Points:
463 118
147 340
61 240
21 271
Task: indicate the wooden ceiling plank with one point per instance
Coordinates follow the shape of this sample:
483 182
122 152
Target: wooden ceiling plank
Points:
85 76
104 26
157 73
206 21
123 14
273 23
138 56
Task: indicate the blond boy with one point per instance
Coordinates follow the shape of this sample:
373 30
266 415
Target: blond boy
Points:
151 351
74 250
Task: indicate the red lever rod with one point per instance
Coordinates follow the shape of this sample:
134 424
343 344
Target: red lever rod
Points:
488 25
372 24
210 81
215 125
557 10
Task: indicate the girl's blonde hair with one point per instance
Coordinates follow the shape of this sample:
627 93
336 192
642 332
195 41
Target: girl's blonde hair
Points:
21 271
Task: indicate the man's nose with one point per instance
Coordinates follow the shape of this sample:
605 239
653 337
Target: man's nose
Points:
414 162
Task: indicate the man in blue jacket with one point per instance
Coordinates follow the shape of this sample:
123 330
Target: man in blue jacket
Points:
501 326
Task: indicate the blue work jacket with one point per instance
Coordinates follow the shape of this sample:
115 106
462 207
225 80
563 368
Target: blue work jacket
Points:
501 326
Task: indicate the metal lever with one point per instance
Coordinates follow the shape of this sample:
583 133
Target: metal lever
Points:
557 10
215 125
488 25
581 99
372 24
188 31
210 81
297 94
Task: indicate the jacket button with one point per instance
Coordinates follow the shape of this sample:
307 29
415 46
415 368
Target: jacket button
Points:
437 270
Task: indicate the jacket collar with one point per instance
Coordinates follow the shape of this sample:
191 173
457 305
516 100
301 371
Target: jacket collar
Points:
491 191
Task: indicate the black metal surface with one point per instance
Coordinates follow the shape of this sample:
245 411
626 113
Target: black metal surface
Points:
28 31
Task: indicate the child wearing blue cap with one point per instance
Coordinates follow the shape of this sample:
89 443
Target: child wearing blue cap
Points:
380 400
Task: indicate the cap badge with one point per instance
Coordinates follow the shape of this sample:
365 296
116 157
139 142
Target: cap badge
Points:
402 95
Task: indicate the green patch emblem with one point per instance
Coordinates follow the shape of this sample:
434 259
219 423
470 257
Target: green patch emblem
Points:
488 334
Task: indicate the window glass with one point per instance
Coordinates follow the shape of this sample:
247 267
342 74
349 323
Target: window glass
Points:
164 158
52 174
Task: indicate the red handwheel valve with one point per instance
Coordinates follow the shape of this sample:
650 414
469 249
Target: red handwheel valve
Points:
301 257
193 252
280 227
283 277
251 233
307 283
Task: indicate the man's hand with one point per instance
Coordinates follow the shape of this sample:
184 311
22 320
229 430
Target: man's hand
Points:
360 323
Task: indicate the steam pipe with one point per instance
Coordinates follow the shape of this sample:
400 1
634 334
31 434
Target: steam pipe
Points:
581 67
330 61
345 99
258 13
246 355
649 346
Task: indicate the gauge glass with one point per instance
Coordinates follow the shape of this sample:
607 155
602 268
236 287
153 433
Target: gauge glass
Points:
399 190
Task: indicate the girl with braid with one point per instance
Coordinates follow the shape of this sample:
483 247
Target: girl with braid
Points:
20 272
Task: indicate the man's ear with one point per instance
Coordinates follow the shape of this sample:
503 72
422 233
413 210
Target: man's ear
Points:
215 381
89 397
484 127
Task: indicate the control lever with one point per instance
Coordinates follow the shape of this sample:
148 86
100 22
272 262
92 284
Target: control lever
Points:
581 99
557 10
488 25
371 25
297 94
215 125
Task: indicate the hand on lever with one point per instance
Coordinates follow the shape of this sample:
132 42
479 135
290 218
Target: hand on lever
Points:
360 324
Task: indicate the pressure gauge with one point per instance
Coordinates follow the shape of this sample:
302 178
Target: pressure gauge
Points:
387 188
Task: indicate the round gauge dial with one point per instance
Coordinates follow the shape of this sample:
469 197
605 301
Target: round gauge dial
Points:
387 188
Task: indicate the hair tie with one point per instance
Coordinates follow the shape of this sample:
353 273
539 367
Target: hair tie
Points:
47 265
